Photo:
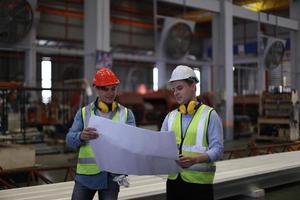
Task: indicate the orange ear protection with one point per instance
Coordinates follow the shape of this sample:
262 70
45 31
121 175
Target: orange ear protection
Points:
106 108
189 109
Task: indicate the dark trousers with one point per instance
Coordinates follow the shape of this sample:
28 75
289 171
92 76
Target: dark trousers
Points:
178 189
80 192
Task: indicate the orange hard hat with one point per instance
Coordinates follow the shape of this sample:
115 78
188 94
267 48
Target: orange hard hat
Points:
105 77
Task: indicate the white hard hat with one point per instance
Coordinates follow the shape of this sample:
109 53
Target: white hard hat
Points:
182 72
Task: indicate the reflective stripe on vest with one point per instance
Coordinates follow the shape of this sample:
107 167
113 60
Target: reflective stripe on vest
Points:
195 142
86 159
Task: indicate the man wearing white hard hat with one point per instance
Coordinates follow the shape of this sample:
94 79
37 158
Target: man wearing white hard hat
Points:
199 136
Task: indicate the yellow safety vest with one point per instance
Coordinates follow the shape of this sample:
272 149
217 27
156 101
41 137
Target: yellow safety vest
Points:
86 164
192 144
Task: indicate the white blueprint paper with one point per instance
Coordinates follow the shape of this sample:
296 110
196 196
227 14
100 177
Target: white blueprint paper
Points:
130 150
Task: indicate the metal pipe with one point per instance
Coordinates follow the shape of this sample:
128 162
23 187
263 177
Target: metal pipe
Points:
139 24
62 12
115 20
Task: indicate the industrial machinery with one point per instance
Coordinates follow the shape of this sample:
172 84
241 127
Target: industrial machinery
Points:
150 108
245 114
279 116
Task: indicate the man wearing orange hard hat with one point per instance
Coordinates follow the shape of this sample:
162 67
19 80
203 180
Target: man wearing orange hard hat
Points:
89 177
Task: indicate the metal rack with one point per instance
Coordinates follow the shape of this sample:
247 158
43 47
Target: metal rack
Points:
279 117
26 118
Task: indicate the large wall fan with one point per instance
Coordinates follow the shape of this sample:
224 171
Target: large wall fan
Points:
273 53
16 18
178 41
175 38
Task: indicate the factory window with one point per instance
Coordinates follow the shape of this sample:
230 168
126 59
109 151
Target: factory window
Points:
155 79
46 79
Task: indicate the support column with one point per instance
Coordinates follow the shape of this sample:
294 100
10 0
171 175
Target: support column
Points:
223 67
295 46
160 61
30 53
30 67
261 72
205 78
96 34
206 70
162 80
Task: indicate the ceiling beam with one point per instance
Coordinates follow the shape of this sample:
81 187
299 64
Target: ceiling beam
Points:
283 22
240 12
210 5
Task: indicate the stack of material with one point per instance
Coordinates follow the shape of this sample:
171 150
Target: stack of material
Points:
279 117
233 177
16 156
140 186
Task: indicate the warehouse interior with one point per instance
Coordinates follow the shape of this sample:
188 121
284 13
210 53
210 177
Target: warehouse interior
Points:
244 52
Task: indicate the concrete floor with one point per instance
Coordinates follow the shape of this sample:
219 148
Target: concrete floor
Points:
284 192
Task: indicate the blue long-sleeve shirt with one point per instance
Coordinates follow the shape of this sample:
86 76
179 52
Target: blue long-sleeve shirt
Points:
98 181
214 133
